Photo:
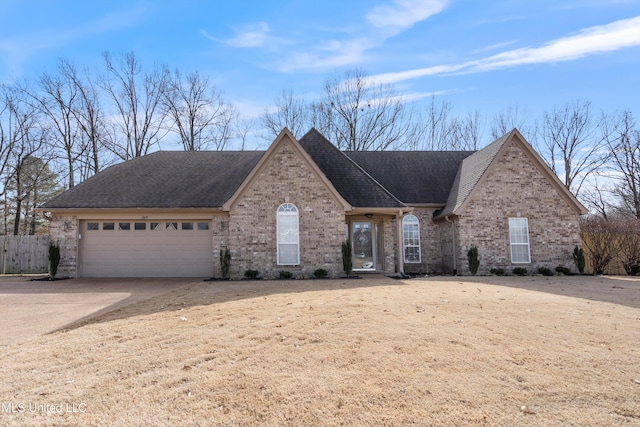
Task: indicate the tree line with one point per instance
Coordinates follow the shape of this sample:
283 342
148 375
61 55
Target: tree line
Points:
70 123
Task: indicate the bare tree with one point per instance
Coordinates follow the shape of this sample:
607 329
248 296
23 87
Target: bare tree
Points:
469 132
9 130
291 111
25 135
361 114
243 129
597 198
137 98
623 142
57 99
434 127
507 119
89 116
573 147
199 113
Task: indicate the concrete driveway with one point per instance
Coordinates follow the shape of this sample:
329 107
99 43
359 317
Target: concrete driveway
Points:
32 308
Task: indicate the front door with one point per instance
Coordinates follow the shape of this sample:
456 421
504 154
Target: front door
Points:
363 245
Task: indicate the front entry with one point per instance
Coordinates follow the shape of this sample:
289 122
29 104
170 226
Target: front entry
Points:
364 245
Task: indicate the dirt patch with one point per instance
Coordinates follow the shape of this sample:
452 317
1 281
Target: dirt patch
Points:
432 351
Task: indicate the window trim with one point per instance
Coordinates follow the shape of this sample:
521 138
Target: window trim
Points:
512 236
288 210
411 220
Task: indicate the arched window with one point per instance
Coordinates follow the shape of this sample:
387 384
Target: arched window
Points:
411 239
288 235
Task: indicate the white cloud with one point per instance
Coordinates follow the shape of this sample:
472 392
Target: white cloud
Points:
403 14
414 74
590 41
254 35
384 21
328 55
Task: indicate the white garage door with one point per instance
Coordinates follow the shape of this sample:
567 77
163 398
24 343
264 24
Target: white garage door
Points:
128 248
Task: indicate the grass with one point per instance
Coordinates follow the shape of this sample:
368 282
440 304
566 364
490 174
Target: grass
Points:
434 351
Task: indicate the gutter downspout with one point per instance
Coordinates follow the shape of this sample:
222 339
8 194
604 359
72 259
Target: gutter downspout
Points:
453 245
400 251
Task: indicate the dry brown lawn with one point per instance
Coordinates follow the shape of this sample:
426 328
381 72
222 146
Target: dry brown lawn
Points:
430 351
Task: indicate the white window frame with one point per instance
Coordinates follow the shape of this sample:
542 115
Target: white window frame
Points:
519 238
411 230
290 236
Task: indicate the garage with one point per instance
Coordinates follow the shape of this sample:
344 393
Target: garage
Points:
154 248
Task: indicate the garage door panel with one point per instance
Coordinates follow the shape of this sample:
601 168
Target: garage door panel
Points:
148 252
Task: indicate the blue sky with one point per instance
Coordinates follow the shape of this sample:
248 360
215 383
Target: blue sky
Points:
484 55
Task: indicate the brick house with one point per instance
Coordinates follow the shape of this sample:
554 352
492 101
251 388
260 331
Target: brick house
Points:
290 207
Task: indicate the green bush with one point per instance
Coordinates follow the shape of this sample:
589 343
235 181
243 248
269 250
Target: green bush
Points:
320 273
251 274
474 262
497 271
545 271
519 271
347 261
286 275
561 269
578 258
54 259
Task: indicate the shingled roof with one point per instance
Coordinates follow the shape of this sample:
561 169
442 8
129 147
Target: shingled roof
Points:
470 172
352 182
164 179
415 177
208 179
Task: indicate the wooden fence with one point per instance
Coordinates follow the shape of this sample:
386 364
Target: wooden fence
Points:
24 254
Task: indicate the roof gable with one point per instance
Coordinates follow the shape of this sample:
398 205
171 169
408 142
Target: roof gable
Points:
477 166
284 137
357 187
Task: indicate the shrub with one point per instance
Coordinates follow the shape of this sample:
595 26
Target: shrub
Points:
545 271
561 269
225 262
497 271
519 271
251 274
578 259
286 275
474 262
320 273
54 259
629 247
347 261
600 238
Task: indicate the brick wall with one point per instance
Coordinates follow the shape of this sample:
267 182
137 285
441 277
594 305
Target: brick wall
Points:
517 188
64 232
286 178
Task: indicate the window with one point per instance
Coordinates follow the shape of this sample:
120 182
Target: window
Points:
124 226
411 239
93 226
187 226
140 226
519 239
288 235
155 226
203 226
171 226
107 226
